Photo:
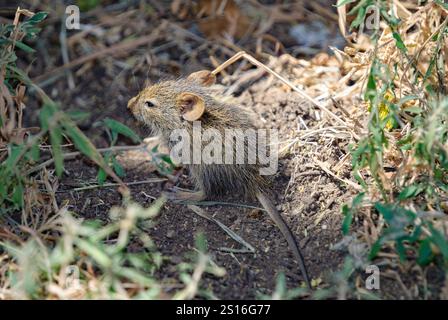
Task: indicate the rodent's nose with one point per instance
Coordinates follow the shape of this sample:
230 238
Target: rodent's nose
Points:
132 102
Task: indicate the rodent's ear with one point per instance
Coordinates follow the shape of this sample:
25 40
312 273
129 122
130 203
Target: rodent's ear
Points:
191 106
203 77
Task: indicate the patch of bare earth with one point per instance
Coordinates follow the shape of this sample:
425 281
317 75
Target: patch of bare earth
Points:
310 201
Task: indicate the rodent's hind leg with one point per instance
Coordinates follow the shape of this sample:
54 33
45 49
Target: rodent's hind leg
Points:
182 195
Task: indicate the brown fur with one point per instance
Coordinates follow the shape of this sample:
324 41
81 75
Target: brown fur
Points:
165 115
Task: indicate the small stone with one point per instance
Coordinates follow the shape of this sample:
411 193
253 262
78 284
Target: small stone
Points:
170 234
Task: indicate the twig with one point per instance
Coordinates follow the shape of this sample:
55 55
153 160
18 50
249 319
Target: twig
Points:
118 48
72 155
232 234
395 276
324 168
257 63
220 203
231 251
108 185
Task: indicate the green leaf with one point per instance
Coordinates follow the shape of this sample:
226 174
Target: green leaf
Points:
3 192
424 252
82 143
201 242
38 17
439 240
118 168
376 247
95 253
24 47
120 128
348 212
371 88
359 18
410 191
35 152
101 176
385 210
342 2
86 5
348 218
280 287
166 158
16 151
46 114
31 32
416 110
358 200
136 276
390 19
78 115
399 42
395 214
17 196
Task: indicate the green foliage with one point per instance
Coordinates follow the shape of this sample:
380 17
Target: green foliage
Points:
86 5
163 161
12 180
189 273
119 128
425 143
341 287
422 178
82 247
29 30
407 231
349 212
282 292
113 129
55 124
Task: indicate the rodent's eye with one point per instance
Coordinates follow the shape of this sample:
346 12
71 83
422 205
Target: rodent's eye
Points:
149 104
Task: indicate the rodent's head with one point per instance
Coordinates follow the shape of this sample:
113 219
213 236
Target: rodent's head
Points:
169 105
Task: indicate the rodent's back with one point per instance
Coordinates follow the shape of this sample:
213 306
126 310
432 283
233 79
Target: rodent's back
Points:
217 179
218 115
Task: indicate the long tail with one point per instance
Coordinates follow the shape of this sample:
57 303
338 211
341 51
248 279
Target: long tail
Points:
275 215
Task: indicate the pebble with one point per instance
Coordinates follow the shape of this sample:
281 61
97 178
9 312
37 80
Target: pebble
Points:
170 234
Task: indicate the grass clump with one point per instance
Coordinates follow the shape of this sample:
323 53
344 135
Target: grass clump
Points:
402 160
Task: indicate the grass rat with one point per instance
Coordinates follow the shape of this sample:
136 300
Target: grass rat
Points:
170 105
